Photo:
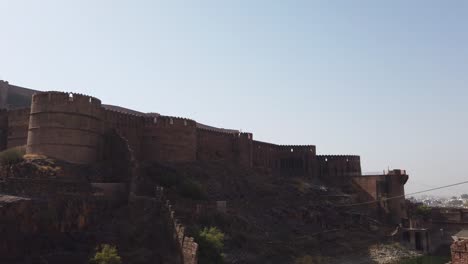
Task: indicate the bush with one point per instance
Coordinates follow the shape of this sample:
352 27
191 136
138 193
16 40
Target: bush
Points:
211 243
106 254
191 189
423 211
12 155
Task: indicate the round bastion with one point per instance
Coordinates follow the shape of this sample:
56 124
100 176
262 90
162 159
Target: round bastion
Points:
66 126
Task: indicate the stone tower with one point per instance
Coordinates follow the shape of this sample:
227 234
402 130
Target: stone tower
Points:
65 126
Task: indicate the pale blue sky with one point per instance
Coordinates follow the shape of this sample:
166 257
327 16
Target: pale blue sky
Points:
386 80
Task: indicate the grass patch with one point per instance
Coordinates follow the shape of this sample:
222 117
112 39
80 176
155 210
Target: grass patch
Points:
12 156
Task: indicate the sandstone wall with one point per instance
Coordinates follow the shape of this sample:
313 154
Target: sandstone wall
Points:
3 93
224 145
215 145
65 126
288 160
128 126
338 169
169 139
18 121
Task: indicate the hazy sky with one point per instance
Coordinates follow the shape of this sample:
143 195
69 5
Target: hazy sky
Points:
386 80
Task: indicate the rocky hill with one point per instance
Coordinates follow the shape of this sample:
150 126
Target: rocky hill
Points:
60 213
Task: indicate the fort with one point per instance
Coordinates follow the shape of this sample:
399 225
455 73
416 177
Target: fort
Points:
80 130
71 127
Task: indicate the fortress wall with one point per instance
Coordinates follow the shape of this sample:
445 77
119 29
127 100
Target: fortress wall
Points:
3 93
170 139
245 151
18 121
65 126
3 129
289 160
216 145
297 160
128 126
264 155
335 168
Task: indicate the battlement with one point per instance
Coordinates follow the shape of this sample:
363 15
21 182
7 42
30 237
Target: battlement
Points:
121 113
161 120
339 157
122 119
56 96
296 148
284 148
221 132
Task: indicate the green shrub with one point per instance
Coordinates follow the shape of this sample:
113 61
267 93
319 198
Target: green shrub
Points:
106 254
12 155
211 243
191 189
423 211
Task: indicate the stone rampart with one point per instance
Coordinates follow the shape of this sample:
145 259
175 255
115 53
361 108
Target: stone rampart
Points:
128 126
65 126
187 246
335 168
18 121
216 145
290 160
169 139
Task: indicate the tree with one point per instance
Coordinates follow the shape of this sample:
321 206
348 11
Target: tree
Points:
106 254
211 243
464 196
423 211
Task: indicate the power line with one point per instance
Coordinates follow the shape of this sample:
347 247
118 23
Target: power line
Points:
400 196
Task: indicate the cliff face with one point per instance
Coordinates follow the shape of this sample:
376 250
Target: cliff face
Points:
265 218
